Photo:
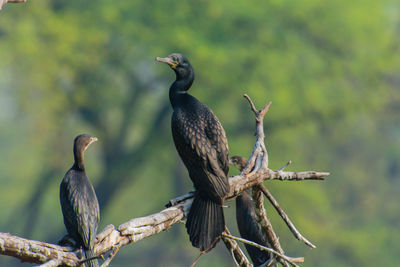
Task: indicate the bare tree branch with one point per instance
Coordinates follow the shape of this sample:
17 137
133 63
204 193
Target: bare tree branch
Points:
236 253
266 224
35 251
280 211
255 172
110 258
52 263
205 251
292 261
3 2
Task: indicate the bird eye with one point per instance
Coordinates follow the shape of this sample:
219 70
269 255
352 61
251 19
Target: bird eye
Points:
175 58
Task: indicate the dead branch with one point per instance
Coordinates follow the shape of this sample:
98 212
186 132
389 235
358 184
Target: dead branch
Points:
205 251
266 224
107 262
52 263
290 260
35 251
3 2
255 172
280 211
236 253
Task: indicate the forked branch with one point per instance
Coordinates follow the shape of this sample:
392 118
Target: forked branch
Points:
292 261
236 253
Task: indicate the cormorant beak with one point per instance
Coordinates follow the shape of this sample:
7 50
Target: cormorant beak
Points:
173 64
230 161
91 140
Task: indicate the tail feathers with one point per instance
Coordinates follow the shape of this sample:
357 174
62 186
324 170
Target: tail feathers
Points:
205 223
92 263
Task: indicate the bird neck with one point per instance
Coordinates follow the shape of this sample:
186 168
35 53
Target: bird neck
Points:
79 160
180 87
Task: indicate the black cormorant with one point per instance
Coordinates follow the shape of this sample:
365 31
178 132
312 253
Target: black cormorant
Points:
78 200
202 145
248 226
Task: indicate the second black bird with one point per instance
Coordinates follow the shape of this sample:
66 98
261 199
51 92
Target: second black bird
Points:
202 145
79 203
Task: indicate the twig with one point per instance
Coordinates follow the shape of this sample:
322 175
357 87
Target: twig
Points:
110 257
237 254
265 223
205 251
291 226
259 151
297 176
198 258
259 113
290 260
284 166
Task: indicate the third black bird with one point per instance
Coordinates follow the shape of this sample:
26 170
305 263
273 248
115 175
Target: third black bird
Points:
246 219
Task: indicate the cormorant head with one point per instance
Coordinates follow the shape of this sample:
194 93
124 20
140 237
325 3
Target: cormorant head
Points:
179 63
238 161
82 142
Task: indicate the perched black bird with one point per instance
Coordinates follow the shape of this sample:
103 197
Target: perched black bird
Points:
248 226
78 200
250 229
202 145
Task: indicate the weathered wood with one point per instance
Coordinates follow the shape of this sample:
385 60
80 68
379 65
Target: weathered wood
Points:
291 260
284 216
266 225
236 253
3 2
35 251
255 172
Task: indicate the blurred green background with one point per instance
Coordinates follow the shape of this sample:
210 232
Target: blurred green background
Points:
330 68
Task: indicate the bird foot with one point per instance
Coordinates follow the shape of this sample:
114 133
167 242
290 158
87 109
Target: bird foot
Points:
67 241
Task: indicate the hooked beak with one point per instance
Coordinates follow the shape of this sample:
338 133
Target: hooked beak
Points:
92 140
173 64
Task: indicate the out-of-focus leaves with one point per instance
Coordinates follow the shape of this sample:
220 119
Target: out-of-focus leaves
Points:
329 67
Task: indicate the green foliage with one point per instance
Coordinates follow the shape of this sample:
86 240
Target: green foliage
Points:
329 67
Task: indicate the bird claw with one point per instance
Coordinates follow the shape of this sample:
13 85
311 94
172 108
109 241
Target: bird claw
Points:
67 241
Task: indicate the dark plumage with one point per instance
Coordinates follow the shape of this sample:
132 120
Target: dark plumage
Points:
202 145
247 223
250 229
78 200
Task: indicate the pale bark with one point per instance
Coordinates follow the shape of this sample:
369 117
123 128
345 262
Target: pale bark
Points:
236 253
255 172
3 2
